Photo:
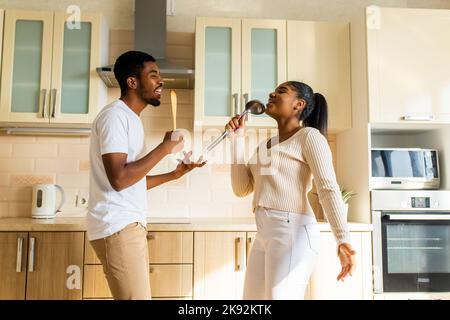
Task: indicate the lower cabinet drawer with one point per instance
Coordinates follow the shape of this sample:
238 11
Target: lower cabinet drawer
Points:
171 280
166 281
164 248
94 283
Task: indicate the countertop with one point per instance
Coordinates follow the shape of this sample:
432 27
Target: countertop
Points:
154 224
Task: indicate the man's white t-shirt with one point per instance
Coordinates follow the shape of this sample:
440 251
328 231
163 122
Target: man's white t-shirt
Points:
116 129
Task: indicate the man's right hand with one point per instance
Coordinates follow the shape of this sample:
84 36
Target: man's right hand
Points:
173 141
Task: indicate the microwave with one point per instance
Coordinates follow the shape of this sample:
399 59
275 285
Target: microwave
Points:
404 168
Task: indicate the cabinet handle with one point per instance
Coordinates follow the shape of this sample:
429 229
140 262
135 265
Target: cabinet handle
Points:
236 103
31 255
250 240
150 236
427 117
53 98
42 98
19 255
152 269
238 243
245 96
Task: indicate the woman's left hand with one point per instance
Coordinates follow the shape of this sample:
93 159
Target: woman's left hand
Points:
347 258
185 165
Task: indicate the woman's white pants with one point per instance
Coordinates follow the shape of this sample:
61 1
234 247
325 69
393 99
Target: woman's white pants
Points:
283 255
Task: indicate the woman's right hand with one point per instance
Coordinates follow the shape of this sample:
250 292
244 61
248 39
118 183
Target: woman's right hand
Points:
235 123
346 256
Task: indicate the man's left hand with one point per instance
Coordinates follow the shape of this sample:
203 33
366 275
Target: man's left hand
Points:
185 165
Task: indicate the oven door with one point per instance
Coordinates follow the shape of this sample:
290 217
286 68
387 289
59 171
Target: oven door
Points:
415 251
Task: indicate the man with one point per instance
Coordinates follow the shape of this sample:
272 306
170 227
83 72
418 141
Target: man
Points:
116 220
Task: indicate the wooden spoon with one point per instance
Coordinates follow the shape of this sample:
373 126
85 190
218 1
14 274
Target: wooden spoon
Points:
173 99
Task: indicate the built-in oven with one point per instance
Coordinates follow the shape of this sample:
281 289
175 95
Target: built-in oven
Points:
411 241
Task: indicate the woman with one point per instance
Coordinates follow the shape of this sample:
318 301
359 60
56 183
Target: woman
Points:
286 246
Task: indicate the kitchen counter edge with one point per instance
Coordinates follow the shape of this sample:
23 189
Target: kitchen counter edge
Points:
196 224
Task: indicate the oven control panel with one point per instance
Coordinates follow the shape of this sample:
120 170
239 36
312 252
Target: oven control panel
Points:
420 202
432 200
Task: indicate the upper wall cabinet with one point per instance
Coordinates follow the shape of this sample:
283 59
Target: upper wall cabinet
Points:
408 65
236 60
49 63
318 54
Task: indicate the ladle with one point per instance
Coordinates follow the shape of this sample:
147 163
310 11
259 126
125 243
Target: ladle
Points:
253 106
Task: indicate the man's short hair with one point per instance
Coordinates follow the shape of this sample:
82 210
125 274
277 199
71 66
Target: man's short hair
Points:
130 64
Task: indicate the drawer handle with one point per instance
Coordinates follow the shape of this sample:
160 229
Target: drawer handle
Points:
150 236
31 255
427 117
19 255
152 270
238 243
250 240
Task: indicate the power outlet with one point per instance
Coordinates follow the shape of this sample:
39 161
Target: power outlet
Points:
81 202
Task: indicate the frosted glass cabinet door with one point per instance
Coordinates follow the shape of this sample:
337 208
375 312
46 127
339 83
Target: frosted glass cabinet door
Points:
217 71
263 62
217 64
72 91
26 66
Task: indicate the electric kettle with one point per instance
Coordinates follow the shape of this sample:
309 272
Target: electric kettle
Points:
43 204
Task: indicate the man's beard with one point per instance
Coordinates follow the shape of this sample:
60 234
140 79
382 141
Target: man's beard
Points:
149 100
154 102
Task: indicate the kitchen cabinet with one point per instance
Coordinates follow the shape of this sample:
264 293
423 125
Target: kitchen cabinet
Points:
236 60
13 265
48 74
408 69
171 267
167 281
220 260
318 54
323 284
53 259
41 265
183 265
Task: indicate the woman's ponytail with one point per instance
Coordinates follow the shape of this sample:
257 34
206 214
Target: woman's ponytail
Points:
318 118
315 113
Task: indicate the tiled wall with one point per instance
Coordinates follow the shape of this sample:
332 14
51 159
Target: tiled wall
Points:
204 192
25 161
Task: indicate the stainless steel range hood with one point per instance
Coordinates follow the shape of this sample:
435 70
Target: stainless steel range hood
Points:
150 37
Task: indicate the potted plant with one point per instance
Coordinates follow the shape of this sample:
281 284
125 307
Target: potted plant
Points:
313 198
346 196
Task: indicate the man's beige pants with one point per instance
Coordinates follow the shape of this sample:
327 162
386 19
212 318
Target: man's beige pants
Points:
124 256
